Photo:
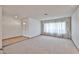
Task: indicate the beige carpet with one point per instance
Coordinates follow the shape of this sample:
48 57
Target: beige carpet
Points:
42 45
10 41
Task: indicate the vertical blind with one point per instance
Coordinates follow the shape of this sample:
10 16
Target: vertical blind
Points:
55 28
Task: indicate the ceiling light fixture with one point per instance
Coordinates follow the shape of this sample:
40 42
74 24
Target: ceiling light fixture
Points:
16 16
24 23
45 14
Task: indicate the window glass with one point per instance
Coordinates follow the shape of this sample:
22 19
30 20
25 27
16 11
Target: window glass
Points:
58 28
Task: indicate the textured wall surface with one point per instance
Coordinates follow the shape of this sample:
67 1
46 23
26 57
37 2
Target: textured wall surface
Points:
75 28
11 27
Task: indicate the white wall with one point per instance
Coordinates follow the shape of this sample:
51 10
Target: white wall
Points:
0 27
75 27
11 27
33 27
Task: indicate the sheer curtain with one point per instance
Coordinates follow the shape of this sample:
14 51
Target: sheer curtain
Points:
55 28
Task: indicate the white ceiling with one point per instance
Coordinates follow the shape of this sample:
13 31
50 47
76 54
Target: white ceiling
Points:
38 11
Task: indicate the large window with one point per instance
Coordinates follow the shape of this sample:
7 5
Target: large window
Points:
55 28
